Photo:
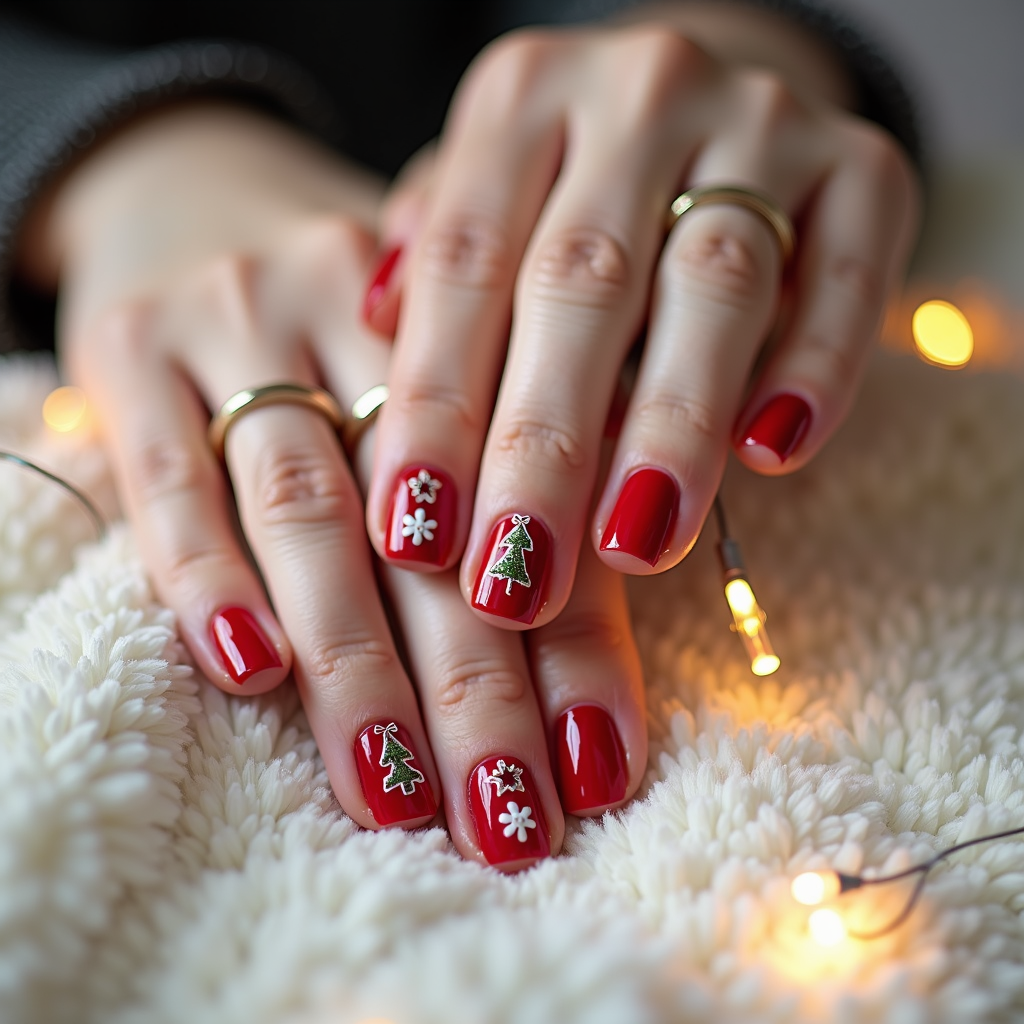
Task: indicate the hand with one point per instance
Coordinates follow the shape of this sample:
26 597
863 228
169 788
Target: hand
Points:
231 281
547 204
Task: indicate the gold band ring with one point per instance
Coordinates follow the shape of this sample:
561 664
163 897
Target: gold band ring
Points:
749 199
272 394
364 412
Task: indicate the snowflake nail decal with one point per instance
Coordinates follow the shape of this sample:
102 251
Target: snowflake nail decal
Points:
507 778
418 526
516 821
424 487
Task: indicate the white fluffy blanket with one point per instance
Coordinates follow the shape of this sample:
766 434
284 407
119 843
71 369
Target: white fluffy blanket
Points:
169 854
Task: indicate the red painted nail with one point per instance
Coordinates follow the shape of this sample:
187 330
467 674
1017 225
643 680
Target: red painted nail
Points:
591 762
378 286
780 426
513 577
510 825
243 645
643 517
395 788
421 518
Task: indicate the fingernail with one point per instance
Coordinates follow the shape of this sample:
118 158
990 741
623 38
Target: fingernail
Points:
395 788
780 426
421 517
513 577
378 286
510 825
592 771
244 647
643 517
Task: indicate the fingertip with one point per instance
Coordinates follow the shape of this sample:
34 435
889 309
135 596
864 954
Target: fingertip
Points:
246 658
382 300
772 440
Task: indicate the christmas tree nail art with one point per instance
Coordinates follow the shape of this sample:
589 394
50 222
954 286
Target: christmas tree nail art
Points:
397 756
512 566
513 576
394 787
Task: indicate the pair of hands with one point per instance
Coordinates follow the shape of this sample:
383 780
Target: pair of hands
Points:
206 250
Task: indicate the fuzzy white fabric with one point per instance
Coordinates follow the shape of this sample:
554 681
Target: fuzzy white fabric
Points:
171 854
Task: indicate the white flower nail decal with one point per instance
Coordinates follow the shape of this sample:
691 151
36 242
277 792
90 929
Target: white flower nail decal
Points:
424 487
419 527
516 820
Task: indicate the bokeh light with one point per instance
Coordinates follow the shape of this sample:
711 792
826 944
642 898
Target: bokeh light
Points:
64 409
814 887
827 927
942 333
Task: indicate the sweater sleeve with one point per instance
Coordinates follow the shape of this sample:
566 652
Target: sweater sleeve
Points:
58 96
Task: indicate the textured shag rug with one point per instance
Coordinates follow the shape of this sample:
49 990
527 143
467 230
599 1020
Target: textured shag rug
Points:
169 854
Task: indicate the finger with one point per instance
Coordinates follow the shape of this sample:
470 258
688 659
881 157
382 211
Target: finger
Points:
485 727
853 251
586 669
302 515
175 495
456 301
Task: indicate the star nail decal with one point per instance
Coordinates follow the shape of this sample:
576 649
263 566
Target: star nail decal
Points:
506 778
424 487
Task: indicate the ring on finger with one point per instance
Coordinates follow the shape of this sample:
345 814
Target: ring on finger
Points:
250 399
364 411
737 195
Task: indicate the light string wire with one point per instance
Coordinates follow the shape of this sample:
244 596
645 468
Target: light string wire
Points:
87 505
849 883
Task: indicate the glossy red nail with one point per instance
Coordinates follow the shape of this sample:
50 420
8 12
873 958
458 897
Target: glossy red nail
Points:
244 647
642 520
421 517
513 578
395 788
510 825
592 771
378 286
780 426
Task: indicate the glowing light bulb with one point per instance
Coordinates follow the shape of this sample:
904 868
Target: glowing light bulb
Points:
749 620
942 333
64 409
827 927
814 887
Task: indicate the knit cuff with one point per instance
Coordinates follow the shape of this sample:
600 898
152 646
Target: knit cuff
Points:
57 98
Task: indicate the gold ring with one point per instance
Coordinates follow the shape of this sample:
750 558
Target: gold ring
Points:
749 199
364 412
271 394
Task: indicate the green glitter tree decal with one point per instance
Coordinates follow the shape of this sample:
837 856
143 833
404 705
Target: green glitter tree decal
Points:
512 565
396 755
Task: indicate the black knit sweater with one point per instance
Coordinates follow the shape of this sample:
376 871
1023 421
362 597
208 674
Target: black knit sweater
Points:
372 79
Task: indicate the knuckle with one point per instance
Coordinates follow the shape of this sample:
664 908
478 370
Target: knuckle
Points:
721 262
506 75
124 330
542 445
769 100
300 486
167 465
882 156
582 266
423 399
184 566
660 63
661 414
469 249
592 631
469 683
331 663
335 239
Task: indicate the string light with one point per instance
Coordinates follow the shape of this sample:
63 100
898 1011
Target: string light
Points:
942 333
748 618
94 514
812 888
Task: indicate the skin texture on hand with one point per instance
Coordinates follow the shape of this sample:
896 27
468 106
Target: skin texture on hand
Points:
545 208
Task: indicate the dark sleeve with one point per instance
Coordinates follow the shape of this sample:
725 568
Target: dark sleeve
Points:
58 96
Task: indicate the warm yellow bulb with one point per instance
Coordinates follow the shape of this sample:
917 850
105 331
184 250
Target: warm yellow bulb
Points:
827 927
749 621
814 887
64 409
740 597
942 333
